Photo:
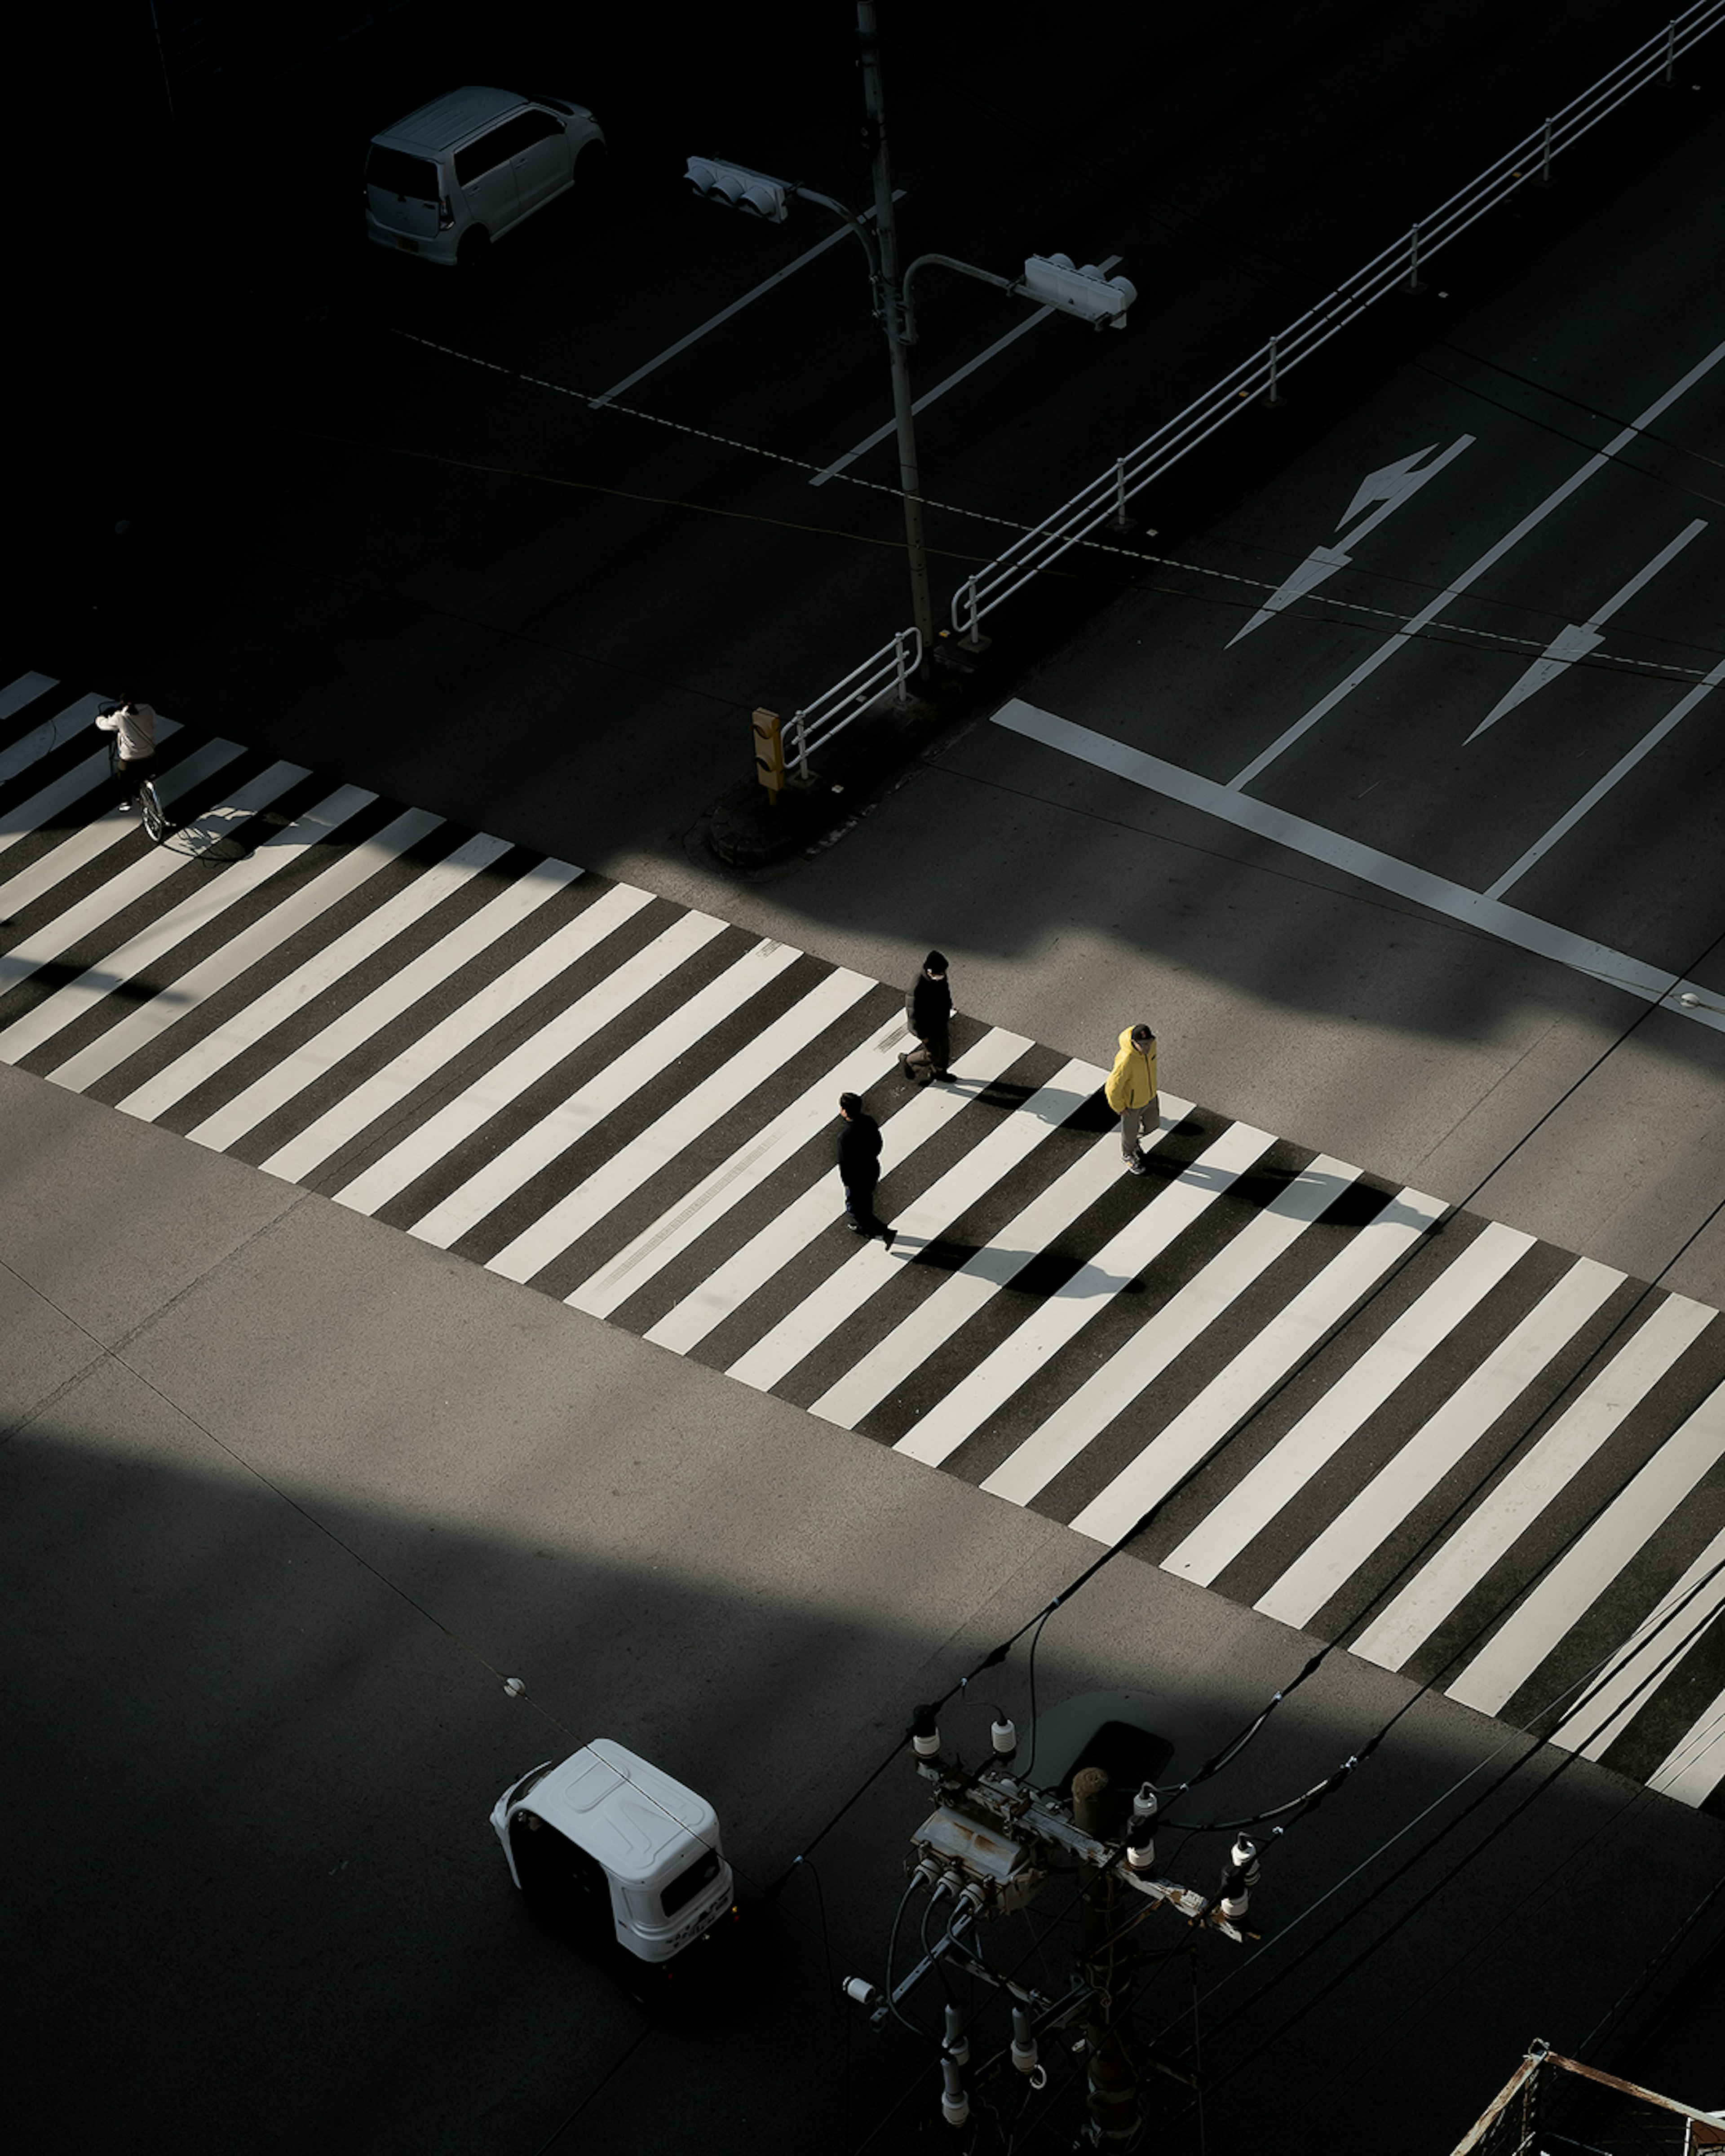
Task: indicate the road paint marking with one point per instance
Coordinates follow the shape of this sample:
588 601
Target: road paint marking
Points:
1236 1391
940 389
736 307
987 1387
1540 1624
1685 1614
1580 638
1391 485
1540 1476
1297 1457
1596 794
1470 576
1485 912
1370 1522
1187 1314
1691 1773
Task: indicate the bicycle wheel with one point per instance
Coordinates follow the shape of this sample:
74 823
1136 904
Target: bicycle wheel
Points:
155 817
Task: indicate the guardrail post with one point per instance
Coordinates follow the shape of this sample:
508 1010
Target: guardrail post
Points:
1544 179
1414 284
1120 521
902 695
1272 395
799 735
972 638
1670 50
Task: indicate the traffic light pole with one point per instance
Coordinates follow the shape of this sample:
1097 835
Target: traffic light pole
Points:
891 319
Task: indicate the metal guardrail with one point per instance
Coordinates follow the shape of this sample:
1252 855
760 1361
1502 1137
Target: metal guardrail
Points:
1396 268
885 672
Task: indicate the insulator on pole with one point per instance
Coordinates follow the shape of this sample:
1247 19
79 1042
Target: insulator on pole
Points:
925 1733
1004 1735
957 2044
1238 1880
955 2104
1140 1835
860 1991
1024 2042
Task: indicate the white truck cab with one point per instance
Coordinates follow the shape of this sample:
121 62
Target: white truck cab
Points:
618 1849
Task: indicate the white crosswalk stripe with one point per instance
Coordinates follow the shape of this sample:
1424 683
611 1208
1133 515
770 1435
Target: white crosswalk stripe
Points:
1470 1455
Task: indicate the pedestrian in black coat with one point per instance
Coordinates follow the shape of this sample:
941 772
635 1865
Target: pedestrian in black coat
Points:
928 1013
860 1166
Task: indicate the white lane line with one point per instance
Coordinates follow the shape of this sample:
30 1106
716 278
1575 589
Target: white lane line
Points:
940 389
665 1140
986 1388
1439 1588
1653 1655
736 307
25 690
434 1138
1694 1768
1596 794
105 904
732 1180
1110 1391
26 818
1580 638
1471 575
1392 486
1328 1563
421 1060
838 1298
1485 912
1308 1448
784 1240
112 828
326 887
265 1011
499 1180
1237 1390
1022 1239
1538 1626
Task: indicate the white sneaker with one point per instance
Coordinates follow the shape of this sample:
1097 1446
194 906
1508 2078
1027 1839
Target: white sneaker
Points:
1136 1167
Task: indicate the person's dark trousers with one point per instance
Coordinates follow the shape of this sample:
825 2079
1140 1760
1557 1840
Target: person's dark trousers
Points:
859 1207
132 774
929 1059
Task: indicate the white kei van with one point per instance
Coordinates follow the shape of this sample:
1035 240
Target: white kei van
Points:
462 170
609 1844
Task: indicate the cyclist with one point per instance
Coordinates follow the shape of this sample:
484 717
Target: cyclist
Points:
135 723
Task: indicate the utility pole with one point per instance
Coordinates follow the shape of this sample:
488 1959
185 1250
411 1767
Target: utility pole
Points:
1113 2082
888 304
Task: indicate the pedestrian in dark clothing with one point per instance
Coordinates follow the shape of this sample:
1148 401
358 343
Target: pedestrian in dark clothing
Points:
860 1166
928 1013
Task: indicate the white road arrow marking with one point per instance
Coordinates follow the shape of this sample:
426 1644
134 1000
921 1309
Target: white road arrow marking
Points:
1580 638
1391 485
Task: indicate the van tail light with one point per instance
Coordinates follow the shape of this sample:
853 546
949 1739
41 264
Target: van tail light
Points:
445 215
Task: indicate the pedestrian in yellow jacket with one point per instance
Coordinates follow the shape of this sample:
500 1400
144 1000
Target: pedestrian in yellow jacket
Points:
1131 1092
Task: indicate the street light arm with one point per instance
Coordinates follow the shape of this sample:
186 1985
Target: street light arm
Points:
856 224
969 269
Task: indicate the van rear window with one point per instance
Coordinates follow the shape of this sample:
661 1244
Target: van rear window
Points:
399 174
687 1884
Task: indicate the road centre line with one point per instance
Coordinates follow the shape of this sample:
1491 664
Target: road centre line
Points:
736 307
1492 555
1485 912
940 389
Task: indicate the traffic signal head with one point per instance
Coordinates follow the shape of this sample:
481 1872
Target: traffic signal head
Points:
1087 292
740 188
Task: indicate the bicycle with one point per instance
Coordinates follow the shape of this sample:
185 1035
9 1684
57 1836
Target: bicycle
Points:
156 825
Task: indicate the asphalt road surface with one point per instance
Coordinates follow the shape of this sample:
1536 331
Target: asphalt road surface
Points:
1412 873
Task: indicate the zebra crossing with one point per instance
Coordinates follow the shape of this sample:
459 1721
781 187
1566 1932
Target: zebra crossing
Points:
1469 1456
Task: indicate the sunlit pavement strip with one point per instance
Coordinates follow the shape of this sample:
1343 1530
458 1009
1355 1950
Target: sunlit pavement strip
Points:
1470 1455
